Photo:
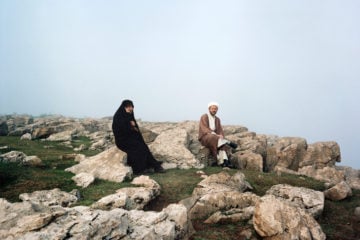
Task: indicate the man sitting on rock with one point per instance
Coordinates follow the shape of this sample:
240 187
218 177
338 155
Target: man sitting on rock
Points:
211 135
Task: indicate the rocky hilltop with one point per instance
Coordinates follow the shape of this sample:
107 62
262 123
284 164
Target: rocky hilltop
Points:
120 216
176 144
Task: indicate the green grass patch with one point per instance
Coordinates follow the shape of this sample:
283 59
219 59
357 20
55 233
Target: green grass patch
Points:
99 189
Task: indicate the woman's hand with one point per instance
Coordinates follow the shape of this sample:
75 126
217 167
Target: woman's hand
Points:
133 126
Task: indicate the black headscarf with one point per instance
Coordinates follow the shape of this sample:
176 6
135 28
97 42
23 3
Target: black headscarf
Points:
121 122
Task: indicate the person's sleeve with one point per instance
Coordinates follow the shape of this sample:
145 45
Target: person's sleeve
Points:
204 126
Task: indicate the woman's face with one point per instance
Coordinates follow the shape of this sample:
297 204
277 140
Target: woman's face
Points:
129 109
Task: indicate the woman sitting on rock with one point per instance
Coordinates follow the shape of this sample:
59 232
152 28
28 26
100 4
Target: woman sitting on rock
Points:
128 138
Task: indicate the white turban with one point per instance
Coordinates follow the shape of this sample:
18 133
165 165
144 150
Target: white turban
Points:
213 104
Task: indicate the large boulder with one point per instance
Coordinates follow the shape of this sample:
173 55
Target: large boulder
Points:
50 198
13 157
287 152
310 200
21 158
29 221
329 175
43 132
18 121
222 182
248 160
250 142
352 176
220 192
279 219
61 136
171 147
108 165
321 154
131 197
338 192
83 179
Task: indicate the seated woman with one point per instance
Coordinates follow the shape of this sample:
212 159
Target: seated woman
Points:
128 138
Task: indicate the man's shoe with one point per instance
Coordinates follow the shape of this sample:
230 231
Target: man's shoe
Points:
159 169
232 144
225 164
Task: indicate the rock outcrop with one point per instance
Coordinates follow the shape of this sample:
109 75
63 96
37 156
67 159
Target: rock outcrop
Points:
176 144
309 200
28 221
131 197
219 193
20 158
108 165
278 219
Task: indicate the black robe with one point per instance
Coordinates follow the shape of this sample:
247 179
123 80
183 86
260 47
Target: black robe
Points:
130 140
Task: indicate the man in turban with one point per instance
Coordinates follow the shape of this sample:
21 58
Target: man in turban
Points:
211 135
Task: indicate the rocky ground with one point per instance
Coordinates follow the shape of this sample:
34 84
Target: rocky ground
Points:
221 197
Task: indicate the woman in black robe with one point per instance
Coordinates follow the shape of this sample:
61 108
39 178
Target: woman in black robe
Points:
128 138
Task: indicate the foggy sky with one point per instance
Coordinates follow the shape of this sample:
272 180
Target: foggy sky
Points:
288 68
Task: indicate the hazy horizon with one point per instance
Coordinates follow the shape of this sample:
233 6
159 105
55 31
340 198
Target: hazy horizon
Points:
287 68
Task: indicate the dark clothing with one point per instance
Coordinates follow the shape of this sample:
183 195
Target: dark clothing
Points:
128 138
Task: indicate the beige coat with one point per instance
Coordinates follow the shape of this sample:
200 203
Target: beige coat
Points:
206 138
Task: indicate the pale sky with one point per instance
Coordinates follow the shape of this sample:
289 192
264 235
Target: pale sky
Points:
281 67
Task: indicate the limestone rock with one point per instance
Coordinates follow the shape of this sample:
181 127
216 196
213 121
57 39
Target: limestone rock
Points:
178 214
50 198
27 220
287 152
43 132
219 192
278 219
21 158
327 174
310 200
61 136
32 161
83 179
82 147
321 154
352 176
221 201
248 160
131 197
233 215
13 157
338 192
222 182
26 136
100 144
148 135
250 142
108 165
171 147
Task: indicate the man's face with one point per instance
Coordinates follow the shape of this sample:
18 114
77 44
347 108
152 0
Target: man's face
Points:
129 109
213 110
